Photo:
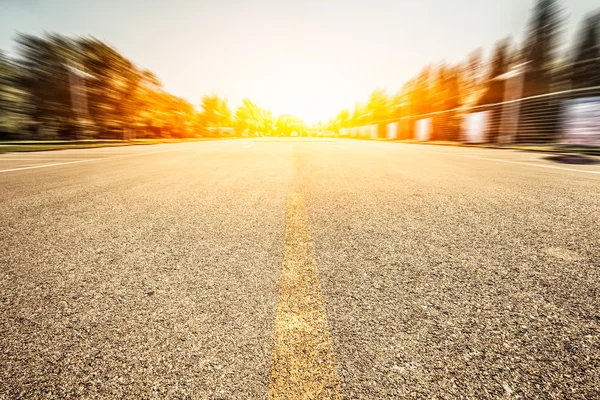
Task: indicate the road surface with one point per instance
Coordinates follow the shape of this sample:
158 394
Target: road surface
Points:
216 270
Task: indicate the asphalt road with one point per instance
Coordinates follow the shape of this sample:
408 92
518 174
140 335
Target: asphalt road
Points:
154 271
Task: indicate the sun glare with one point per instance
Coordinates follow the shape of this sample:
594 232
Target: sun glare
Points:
309 93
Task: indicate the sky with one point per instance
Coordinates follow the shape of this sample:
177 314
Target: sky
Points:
303 57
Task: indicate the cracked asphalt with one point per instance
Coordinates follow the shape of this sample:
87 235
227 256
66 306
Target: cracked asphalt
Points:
153 271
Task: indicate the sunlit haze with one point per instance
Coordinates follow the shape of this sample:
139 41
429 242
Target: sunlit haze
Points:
299 199
307 58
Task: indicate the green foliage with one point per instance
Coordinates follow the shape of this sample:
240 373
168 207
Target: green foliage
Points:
45 80
11 119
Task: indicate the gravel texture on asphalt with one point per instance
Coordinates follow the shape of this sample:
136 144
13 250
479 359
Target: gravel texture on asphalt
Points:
146 277
448 276
445 272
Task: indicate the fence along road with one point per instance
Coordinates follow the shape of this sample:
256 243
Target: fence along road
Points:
548 118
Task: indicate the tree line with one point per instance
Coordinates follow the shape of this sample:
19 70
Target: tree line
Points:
72 88
449 90
249 119
65 87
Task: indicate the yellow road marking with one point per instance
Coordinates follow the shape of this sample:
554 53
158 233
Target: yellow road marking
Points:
303 360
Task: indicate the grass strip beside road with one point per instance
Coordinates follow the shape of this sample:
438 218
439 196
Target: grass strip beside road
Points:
28 146
303 358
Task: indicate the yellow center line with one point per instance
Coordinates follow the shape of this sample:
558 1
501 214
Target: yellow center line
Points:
303 359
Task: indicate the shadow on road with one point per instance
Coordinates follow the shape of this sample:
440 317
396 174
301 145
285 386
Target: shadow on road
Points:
573 159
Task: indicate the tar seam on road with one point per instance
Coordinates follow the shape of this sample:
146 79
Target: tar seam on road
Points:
303 359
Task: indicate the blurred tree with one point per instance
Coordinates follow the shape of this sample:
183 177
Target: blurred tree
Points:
287 124
83 85
342 120
541 45
438 88
539 52
215 113
268 122
148 101
494 88
514 55
452 104
444 100
114 92
407 93
45 79
178 116
422 96
355 115
396 104
378 107
7 79
586 65
247 118
359 115
11 118
470 77
453 96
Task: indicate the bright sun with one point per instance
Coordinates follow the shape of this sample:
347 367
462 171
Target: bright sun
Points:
305 92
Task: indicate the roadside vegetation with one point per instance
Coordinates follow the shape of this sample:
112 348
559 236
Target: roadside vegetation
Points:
539 74
74 88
